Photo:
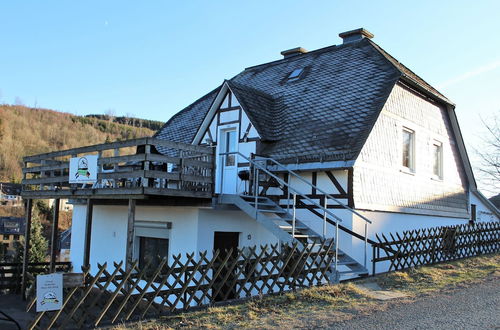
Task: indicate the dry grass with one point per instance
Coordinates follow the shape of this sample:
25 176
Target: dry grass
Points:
319 306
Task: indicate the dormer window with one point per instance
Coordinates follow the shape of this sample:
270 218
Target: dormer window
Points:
295 74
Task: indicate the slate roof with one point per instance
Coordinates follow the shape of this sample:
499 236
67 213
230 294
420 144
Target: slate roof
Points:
11 225
326 114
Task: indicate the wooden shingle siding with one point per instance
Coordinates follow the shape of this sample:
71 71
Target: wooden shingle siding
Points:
381 183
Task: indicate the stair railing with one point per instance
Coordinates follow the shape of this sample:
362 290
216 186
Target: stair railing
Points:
327 196
259 167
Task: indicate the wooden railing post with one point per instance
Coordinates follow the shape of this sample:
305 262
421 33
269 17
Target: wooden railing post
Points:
27 237
130 233
54 236
88 232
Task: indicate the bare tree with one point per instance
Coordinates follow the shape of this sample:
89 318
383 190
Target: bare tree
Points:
489 154
18 101
111 114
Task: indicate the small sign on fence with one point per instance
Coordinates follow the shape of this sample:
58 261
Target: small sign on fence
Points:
83 169
49 292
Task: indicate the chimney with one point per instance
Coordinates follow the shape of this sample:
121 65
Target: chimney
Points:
355 35
293 52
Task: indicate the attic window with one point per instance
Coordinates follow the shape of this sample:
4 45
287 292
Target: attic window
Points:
295 74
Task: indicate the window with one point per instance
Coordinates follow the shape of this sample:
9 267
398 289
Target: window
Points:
151 251
437 160
409 149
5 237
16 237
295 74
230 147
472 214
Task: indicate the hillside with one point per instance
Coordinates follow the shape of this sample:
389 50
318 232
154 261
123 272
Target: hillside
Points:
27 131
135 122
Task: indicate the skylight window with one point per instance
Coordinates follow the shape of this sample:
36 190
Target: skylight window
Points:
295 74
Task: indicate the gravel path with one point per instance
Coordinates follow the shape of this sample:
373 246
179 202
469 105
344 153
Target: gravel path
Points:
474 307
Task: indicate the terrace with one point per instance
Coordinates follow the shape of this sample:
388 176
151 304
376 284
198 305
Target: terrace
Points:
135 169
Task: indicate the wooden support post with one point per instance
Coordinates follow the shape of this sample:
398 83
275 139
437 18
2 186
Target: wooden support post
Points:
130 233
88 233
27 237
54 237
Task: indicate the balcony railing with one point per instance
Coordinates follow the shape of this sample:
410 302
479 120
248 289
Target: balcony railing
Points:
139 167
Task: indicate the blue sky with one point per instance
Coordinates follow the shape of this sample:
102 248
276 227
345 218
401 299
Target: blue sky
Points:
152 58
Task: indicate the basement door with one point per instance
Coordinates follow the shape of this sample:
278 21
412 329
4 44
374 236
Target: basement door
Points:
225 242
228 165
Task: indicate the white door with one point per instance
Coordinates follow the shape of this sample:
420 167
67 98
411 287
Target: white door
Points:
228 176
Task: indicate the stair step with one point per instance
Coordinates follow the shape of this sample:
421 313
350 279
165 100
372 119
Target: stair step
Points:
250 197
286 227
305 236
277 211
264 203
355 272
347 263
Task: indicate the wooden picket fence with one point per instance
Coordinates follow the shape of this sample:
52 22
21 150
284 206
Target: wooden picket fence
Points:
11 273
117 294
434 245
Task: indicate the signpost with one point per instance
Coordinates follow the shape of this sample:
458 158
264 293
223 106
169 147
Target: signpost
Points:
49 292
83 169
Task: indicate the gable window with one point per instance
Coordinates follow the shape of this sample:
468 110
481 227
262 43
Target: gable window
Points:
408 149
437 160
295 74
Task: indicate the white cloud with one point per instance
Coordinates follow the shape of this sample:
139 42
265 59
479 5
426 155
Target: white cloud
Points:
482 69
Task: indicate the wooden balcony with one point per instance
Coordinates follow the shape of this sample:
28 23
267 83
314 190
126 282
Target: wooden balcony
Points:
126 169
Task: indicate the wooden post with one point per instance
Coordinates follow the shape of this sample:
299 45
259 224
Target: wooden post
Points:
27 237
88 233
55 236
130 233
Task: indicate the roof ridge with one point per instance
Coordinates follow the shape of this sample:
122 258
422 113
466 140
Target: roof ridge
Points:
312 52
253 89
399 66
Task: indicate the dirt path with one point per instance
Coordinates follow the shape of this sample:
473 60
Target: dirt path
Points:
473 307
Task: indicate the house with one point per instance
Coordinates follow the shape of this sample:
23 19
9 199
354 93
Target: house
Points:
341 142
10 193
495 200
64 204
64 245
11 230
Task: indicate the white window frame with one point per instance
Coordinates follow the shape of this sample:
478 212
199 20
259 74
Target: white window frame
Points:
412 154
439 175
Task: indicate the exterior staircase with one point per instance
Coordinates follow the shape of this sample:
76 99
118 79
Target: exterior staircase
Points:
288 228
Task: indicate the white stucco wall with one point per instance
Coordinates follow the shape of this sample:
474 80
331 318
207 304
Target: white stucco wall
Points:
192 230
251 232
483 212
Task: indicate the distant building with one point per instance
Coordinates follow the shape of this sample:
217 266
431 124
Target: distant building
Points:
11 229
10 193
495 200
63 204
65 245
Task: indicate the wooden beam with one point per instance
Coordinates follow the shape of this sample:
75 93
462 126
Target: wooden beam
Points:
27 238
335 182
88 232
350 187
54 237
130 233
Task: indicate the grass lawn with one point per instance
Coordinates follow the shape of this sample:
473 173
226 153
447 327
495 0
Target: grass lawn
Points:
319 306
